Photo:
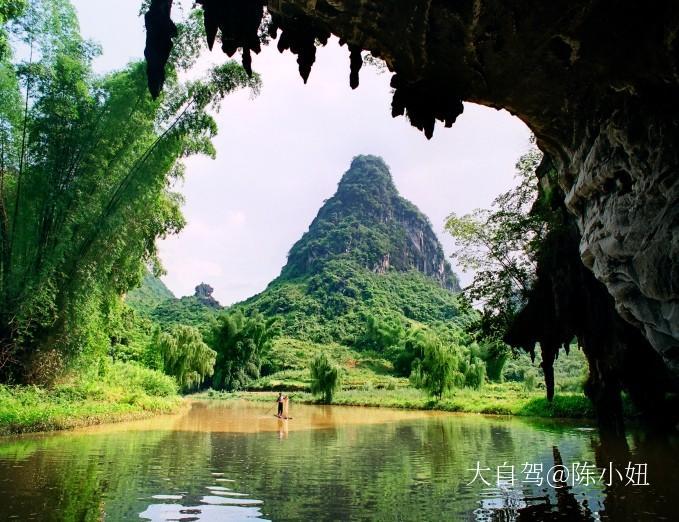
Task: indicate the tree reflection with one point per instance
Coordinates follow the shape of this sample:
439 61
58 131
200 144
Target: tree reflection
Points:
400 470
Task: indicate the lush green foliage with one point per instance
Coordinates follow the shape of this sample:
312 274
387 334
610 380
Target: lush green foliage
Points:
186 310
10 10
369 223
185 356
325 379
367 379
116 391
153 300
242 343
383 333
288 362
334 304
354 279
86 166
499 245
357 272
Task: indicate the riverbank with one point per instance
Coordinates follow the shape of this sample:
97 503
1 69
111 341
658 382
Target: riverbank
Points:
124 392
497 399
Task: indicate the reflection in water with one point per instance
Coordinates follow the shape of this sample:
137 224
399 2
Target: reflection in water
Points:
231 461
220 503
204 513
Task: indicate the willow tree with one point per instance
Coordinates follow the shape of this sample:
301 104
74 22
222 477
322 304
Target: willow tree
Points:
86 169
325 377
185 356
438 370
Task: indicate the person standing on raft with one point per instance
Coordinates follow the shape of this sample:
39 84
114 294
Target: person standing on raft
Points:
281 401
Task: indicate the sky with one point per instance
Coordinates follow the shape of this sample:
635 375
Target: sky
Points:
281 154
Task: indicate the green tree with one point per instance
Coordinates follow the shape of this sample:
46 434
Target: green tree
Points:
438 370
10 10
325 378
500 246
494 354
185 356
411 350
383 332
472 367
86 166
242 344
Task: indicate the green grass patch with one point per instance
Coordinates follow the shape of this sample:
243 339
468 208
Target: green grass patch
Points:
497 399
359 369
124 391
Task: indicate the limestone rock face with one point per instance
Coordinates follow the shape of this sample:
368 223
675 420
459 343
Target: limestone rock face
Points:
204 295
368 222
626 199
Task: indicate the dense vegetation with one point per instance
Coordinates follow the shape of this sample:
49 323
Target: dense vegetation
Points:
369 255
86 168
334 304
391 326
242 344
185 356
378 327
87 164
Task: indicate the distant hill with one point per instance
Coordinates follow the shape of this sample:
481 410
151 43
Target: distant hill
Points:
150 294
368 252
155 301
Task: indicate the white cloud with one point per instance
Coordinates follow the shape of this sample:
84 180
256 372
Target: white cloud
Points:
236 219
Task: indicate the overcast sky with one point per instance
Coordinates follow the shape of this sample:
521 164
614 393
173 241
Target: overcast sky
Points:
280 155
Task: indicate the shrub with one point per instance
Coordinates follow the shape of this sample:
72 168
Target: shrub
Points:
132 376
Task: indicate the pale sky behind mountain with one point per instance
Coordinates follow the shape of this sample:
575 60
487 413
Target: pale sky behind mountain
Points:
280 155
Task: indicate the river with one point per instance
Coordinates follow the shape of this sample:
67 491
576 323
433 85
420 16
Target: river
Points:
230 460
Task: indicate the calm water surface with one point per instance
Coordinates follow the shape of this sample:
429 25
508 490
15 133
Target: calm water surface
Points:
222 461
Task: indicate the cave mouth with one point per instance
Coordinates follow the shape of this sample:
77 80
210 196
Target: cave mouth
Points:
601 104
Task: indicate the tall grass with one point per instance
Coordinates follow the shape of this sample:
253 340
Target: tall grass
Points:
117 391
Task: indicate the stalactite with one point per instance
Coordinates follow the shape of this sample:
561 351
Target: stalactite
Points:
159 33
356 62
424 102
299 36
567 303
238 22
